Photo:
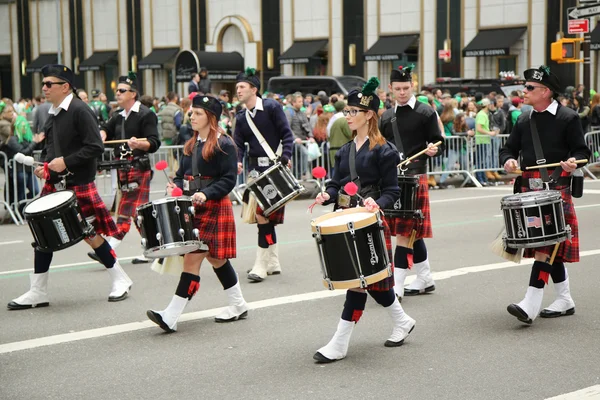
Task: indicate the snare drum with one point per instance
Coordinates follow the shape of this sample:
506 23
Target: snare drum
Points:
274 188
405 206
534 219
107 165
167 227
56 221
351 248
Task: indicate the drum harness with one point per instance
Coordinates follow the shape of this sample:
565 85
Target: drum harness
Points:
197 181
142 163
62 184
546 181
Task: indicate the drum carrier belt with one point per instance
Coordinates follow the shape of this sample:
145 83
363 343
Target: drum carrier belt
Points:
539 155
198 182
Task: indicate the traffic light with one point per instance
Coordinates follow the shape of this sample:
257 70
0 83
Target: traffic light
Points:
564 50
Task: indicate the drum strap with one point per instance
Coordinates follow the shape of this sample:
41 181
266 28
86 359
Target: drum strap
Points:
261 138
539 153
397 139
352 161
195 160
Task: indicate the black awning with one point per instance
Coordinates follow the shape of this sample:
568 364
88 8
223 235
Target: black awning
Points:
301 52
390 47
493 42
43 59
98 60
220 66
158 58
595 38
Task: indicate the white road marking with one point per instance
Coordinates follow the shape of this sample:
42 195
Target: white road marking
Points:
13 242
277 301
77 264
592 392
489 196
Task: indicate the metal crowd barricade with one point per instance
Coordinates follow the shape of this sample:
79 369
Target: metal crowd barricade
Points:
592 139
485 156
456 159
26 187
5 199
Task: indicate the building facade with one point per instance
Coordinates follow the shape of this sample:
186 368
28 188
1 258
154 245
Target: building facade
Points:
165 41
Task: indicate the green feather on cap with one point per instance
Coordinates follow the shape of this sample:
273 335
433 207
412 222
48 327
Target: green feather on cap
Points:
409 68
131 75
545 69
250 72
370 87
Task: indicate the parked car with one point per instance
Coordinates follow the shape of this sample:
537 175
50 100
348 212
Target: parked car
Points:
314 84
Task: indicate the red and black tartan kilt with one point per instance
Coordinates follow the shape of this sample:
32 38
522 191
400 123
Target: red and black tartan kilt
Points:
92 207
385 284
568 251
275 217
216 223
404 226
132 199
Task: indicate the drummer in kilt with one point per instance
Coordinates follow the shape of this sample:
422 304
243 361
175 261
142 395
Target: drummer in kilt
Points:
209 184
417 129
268 117
135 121
376 161
562 140
72 146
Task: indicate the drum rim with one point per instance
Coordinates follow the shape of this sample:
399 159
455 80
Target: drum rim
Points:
151 252
169 199
355 283
72 199
252 181
332 230
549 196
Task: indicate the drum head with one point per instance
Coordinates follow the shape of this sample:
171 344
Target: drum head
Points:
527 198
345 218
171 200
337 221
49 201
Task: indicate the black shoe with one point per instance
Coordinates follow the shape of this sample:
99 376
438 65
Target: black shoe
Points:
241 316
268 273
518 312
553 314
94 256
138 260
255 278
16 306
157 319
320 358
415 292
389 343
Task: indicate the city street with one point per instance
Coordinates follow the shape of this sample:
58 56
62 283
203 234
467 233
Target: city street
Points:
465 344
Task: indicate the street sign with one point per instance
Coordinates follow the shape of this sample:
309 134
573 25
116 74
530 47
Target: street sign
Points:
579 26
583 12
442 54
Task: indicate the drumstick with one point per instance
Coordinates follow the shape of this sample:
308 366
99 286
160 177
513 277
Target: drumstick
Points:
554 253
411 241
143 139
418 154
554 164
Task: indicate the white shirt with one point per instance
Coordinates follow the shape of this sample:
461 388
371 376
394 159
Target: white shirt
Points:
199 139
258 106
62 106
134 108
411 103
552 108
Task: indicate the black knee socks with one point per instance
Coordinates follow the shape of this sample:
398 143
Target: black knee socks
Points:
420 251
354 306
41 262
385 299
226 275
106 254
559 273
188 285
539 274
266 235
403 257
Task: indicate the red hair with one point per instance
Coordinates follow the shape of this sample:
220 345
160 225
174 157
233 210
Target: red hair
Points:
212 140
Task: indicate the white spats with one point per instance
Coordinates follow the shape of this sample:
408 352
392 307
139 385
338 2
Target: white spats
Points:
167 319
403 325
121 284
37 296
259 271
399 278
337 348
273 266
424 282
563 305
528 309
237 309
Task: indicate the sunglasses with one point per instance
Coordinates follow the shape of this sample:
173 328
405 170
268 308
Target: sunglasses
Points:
49 84
125 91
531 88
353 113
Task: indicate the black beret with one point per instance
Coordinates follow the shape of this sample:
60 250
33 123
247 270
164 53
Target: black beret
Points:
250 77
130 79
543 76
59 71
209 103
402 74
366 97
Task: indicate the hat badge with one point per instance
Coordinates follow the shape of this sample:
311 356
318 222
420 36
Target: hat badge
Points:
205 99
365 100
65 69
359 95
537 75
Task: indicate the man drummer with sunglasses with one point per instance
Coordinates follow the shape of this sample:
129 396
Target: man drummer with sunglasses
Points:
562 140
72 146
416 124
270 121
135 121
374 162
